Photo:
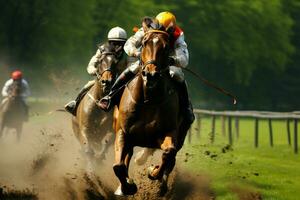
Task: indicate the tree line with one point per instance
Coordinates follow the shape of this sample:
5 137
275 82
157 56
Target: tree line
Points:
249 47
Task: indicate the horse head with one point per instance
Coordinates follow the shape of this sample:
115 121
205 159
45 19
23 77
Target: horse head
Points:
16 89
154 58
107 65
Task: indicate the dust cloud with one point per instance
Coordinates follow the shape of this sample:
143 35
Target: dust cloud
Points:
47 164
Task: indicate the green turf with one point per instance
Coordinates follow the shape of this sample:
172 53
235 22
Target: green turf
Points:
273 172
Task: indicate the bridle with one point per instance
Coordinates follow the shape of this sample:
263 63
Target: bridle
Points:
154 62
110 68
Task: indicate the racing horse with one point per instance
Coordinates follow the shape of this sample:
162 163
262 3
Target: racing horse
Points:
13 111
92 126
149 115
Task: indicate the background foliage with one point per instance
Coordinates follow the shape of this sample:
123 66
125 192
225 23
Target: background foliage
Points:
250 47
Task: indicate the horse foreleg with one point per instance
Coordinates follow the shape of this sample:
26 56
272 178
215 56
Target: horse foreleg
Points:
86 149
85 144
123 155
105 144
168 160
128 158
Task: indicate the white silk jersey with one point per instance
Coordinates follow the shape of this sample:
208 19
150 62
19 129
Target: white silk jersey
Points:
180 53
25 91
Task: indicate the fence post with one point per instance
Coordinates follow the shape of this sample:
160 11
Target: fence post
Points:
213 127
295 135
271 132
288 131
223 121
256 133
236 123
229 131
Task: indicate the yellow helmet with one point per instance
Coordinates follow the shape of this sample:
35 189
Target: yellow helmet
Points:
166 19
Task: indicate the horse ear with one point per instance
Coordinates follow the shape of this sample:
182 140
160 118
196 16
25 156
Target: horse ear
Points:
146 23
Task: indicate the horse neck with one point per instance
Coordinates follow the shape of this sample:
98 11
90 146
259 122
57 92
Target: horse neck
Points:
96 91
135 88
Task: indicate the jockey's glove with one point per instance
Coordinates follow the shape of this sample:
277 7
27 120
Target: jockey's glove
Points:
137 54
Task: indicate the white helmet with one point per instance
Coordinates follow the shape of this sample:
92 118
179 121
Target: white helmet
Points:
117 34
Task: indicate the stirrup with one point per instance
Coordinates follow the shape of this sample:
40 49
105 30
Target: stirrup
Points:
105 103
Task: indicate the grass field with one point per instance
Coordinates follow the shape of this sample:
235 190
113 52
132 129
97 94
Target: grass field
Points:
264 172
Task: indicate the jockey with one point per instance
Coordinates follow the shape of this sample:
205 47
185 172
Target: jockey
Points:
17 76
117 37
178 59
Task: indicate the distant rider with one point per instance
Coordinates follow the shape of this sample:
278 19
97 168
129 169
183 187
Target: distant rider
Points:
117 37
17 77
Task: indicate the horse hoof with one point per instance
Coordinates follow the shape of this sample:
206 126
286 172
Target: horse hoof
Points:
127 189
119 192
150 171
130 188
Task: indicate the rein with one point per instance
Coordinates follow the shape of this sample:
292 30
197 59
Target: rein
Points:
103 54
208 83
109 69
157 31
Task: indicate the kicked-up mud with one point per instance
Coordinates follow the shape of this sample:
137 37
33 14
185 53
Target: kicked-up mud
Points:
48 165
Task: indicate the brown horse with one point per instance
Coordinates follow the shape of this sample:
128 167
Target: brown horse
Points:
149 115
13 111
91 125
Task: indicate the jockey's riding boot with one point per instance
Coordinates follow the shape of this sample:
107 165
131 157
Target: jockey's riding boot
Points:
186 105
71 107
107 102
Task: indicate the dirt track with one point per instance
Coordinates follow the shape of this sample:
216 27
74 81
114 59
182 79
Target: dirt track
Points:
47 165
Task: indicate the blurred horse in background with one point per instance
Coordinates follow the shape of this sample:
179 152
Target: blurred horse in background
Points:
13 111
